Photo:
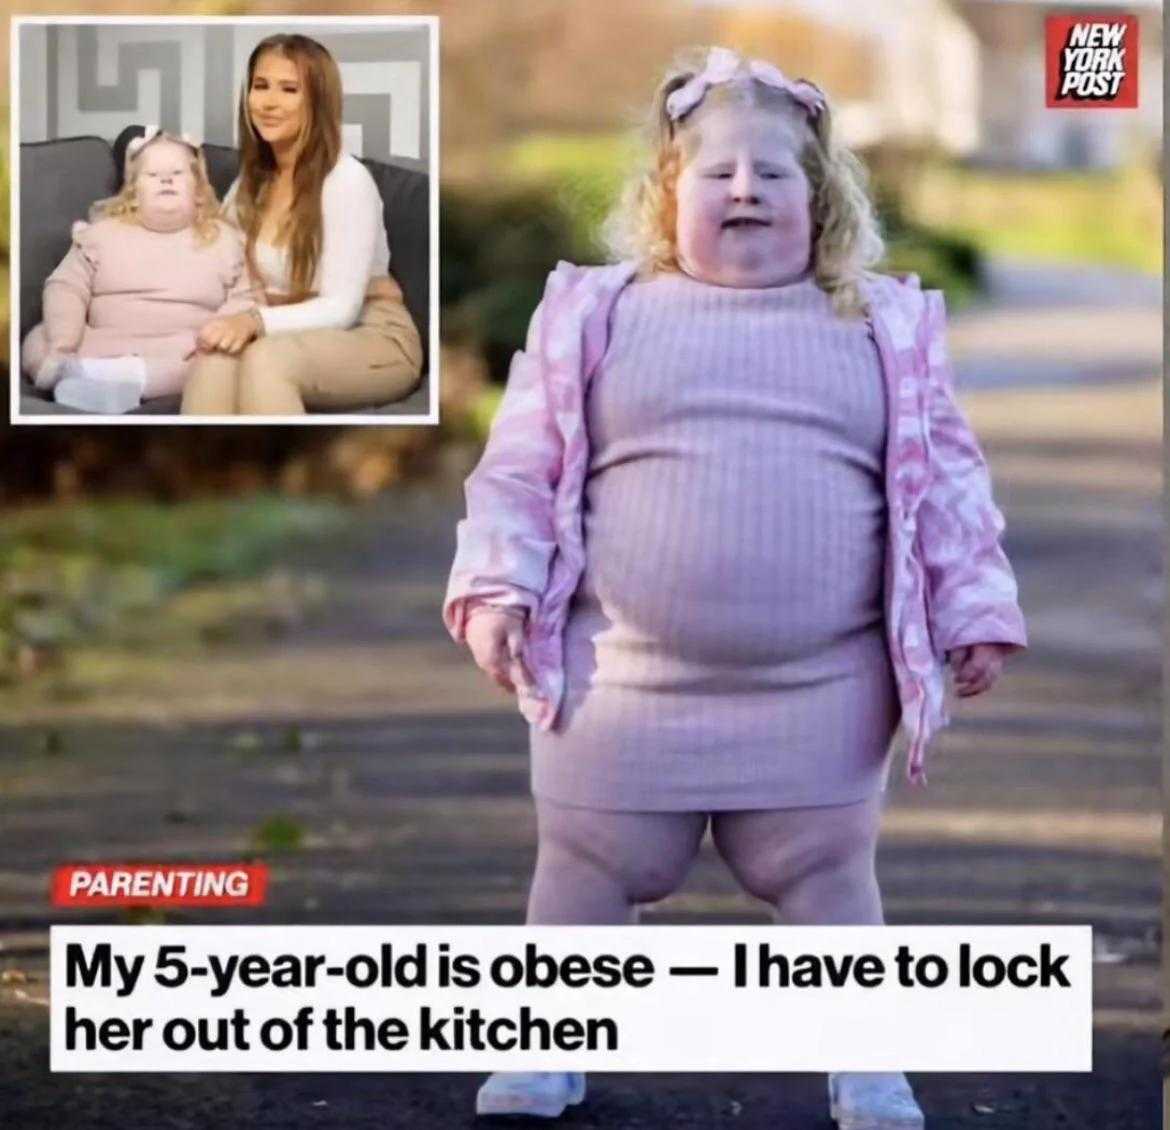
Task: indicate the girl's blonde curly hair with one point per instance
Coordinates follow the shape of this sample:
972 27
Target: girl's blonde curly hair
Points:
124 204
847 240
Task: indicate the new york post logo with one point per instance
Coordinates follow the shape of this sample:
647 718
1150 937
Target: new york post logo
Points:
1092 62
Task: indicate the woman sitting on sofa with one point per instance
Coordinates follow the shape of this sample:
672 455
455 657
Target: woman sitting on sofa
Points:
333 332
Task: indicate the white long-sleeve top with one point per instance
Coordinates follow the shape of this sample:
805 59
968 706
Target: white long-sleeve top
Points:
354 249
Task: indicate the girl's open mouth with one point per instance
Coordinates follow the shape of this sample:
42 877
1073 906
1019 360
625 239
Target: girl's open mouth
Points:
745 222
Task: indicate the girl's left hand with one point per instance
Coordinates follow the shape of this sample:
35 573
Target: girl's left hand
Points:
228 334
977 666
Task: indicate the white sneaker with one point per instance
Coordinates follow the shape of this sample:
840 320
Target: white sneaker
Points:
109 385
873 1100
542 1094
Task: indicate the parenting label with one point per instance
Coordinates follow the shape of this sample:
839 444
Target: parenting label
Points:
598 998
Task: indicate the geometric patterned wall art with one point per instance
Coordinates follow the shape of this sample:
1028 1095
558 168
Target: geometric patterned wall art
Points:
99 78
107 76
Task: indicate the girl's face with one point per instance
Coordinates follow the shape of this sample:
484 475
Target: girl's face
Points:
743 200
165 186
276 100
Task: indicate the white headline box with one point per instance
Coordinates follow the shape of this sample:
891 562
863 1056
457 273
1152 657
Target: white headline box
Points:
598 998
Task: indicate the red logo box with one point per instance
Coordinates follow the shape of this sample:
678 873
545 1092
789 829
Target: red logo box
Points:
1091 61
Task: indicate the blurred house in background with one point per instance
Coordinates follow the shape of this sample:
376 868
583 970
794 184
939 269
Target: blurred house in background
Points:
924 68
967 77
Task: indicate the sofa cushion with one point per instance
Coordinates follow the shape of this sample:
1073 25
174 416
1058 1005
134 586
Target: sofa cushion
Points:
406 201
59 180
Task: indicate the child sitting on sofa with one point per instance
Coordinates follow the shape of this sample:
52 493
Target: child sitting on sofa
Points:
123 308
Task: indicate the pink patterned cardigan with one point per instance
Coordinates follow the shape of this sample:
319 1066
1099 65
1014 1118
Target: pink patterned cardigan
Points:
947 583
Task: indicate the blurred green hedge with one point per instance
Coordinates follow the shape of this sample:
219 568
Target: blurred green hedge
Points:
497 251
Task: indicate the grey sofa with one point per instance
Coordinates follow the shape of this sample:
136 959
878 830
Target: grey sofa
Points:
60 179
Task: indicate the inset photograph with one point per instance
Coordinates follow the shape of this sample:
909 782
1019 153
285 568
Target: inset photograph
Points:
225 221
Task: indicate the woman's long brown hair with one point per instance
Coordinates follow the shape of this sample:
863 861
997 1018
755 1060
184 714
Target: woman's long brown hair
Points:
318 148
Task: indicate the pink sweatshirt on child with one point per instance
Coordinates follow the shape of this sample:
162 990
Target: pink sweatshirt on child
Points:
124 289
948 582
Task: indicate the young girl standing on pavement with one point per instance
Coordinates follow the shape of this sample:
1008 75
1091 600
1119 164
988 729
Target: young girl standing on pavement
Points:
728 529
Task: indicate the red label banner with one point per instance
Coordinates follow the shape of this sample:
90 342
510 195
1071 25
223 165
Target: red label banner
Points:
160 884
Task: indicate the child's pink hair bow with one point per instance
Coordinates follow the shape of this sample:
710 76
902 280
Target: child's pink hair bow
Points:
152 131
723 66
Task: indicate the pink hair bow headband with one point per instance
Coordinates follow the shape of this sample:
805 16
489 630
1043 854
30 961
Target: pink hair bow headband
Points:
726 66
152 132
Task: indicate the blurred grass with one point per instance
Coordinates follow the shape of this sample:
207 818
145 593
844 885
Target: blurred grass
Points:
278 834
140 571
1109 218
178 544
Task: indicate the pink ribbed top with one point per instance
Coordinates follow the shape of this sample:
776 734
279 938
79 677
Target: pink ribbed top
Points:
725 648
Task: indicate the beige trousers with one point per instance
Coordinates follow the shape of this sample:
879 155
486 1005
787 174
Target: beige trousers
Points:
376 362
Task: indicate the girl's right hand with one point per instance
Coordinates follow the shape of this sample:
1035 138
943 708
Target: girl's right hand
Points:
496 640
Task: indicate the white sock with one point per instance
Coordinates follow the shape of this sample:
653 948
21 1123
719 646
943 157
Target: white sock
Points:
108 385
129 367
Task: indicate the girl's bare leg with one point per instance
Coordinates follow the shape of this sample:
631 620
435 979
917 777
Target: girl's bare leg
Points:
815 866
594 867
